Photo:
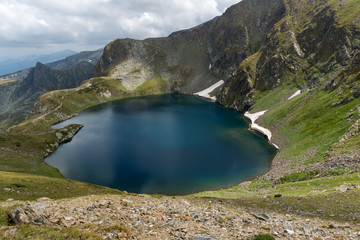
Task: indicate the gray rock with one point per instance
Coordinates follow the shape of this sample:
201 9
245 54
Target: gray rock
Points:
36 214
10 232
170 223
204 237
263 216
18 216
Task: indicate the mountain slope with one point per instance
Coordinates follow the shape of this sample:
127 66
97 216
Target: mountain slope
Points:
27 86
193 59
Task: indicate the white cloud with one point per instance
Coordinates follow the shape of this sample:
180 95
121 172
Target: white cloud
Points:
30 26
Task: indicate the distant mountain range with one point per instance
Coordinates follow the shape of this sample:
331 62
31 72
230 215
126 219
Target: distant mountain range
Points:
16 64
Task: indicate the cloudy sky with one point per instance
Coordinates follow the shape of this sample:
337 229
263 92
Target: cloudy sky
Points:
46 26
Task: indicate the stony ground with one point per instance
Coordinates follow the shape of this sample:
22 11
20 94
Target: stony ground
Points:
146 217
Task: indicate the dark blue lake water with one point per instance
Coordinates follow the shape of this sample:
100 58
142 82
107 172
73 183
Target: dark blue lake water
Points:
169 144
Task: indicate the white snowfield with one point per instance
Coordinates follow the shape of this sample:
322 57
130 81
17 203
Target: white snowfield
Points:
206 93
253 117
295 94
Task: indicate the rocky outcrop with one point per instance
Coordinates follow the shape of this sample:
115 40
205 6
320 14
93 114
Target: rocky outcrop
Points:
35 213
63 135
240 32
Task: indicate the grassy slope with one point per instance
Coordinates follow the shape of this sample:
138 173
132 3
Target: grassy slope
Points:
305 128
22 186
308 125
313 198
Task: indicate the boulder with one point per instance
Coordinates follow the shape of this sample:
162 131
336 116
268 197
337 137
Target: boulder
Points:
204 237
36 215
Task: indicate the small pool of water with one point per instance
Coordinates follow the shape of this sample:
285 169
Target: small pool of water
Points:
168 144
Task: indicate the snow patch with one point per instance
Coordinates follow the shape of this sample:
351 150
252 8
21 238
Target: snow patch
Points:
295 94
297 48
254 126
206 93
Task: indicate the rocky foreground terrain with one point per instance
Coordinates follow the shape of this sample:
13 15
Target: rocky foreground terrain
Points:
145 217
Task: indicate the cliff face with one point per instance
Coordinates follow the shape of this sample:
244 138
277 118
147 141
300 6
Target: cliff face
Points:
193 59
256 45
310 46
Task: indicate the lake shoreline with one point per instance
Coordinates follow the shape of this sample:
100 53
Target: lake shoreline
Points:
186 103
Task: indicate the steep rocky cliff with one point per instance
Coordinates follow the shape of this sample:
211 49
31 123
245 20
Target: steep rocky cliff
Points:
256 45
311 45
193 59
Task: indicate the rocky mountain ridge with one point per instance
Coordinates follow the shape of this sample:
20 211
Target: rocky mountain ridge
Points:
20 95
193 59
254 46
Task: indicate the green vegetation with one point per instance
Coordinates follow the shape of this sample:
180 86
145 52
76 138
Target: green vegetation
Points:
347 12
338 206
5 81
24 153
273 98
264 237
152 86
21 186
46 232
306 126
300 176
312 187
318 197
90 231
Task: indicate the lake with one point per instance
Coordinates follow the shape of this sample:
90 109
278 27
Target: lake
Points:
168 144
